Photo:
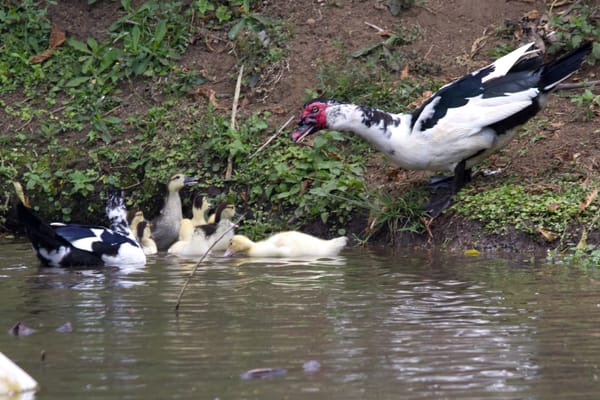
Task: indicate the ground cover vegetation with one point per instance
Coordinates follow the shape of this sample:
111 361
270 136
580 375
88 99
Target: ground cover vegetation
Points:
71 127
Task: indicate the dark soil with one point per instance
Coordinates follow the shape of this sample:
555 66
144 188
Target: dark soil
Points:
321 27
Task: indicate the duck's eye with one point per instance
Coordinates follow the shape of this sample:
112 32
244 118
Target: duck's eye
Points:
314 110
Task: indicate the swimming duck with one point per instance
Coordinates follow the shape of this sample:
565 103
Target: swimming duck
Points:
182 246
197 241
144 235
200 206
74 245
220 230
459 125
165 227
287 244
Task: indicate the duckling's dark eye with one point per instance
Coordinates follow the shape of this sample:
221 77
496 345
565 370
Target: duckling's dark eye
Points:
314 110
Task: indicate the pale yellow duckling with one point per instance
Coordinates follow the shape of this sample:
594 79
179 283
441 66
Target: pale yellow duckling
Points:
182 246
137 218
287 244
196 241
199 208
145 238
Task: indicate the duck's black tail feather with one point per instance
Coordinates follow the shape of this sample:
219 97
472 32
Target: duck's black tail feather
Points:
560 69
45 241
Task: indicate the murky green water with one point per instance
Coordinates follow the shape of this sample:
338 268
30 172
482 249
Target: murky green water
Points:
381 326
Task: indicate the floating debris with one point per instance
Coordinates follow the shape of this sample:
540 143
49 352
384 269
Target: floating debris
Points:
311 366
19 329
263 373
65 328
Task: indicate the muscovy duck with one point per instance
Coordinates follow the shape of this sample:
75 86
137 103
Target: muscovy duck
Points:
287 244
459 125
165 227
74 245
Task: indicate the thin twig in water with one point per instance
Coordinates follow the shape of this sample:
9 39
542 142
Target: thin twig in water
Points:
269 140
187 281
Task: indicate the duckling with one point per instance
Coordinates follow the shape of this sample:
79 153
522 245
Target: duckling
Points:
220 230
199 208
144 234
183 247
74 245
165 227
286 244
137 218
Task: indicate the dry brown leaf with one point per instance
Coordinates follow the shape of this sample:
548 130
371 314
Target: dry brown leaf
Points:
589 199
305 185
57 37
548 236
404 73
532 15
40 58
211 95
553 207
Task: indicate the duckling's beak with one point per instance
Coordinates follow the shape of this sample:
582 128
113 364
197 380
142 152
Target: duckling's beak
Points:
228 253
189 180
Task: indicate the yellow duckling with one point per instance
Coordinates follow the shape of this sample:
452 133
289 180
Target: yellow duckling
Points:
287 244
145 238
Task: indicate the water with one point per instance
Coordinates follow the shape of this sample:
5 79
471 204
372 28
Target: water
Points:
366 325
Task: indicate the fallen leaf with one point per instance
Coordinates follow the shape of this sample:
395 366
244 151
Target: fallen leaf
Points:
532 15
305 185
43 56
589 199
582 244
211 95
404 73
553 207
471 252
57 37
547 235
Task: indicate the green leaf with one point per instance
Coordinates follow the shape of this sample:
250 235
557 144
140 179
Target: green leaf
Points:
92 43
77 81
161 31
223 14
135 39
80 46
233 32
366 50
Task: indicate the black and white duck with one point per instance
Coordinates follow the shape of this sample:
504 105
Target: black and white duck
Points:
75 245
462 123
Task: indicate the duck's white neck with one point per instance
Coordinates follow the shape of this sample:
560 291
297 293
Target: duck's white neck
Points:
388 132
374 125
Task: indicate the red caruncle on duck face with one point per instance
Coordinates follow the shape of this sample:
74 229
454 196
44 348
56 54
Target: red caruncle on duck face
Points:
312 119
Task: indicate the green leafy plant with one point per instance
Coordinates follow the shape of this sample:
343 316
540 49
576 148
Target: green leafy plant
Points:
579 25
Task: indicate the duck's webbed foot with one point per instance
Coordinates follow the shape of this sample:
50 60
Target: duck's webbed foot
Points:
437 204
440 182
443 189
